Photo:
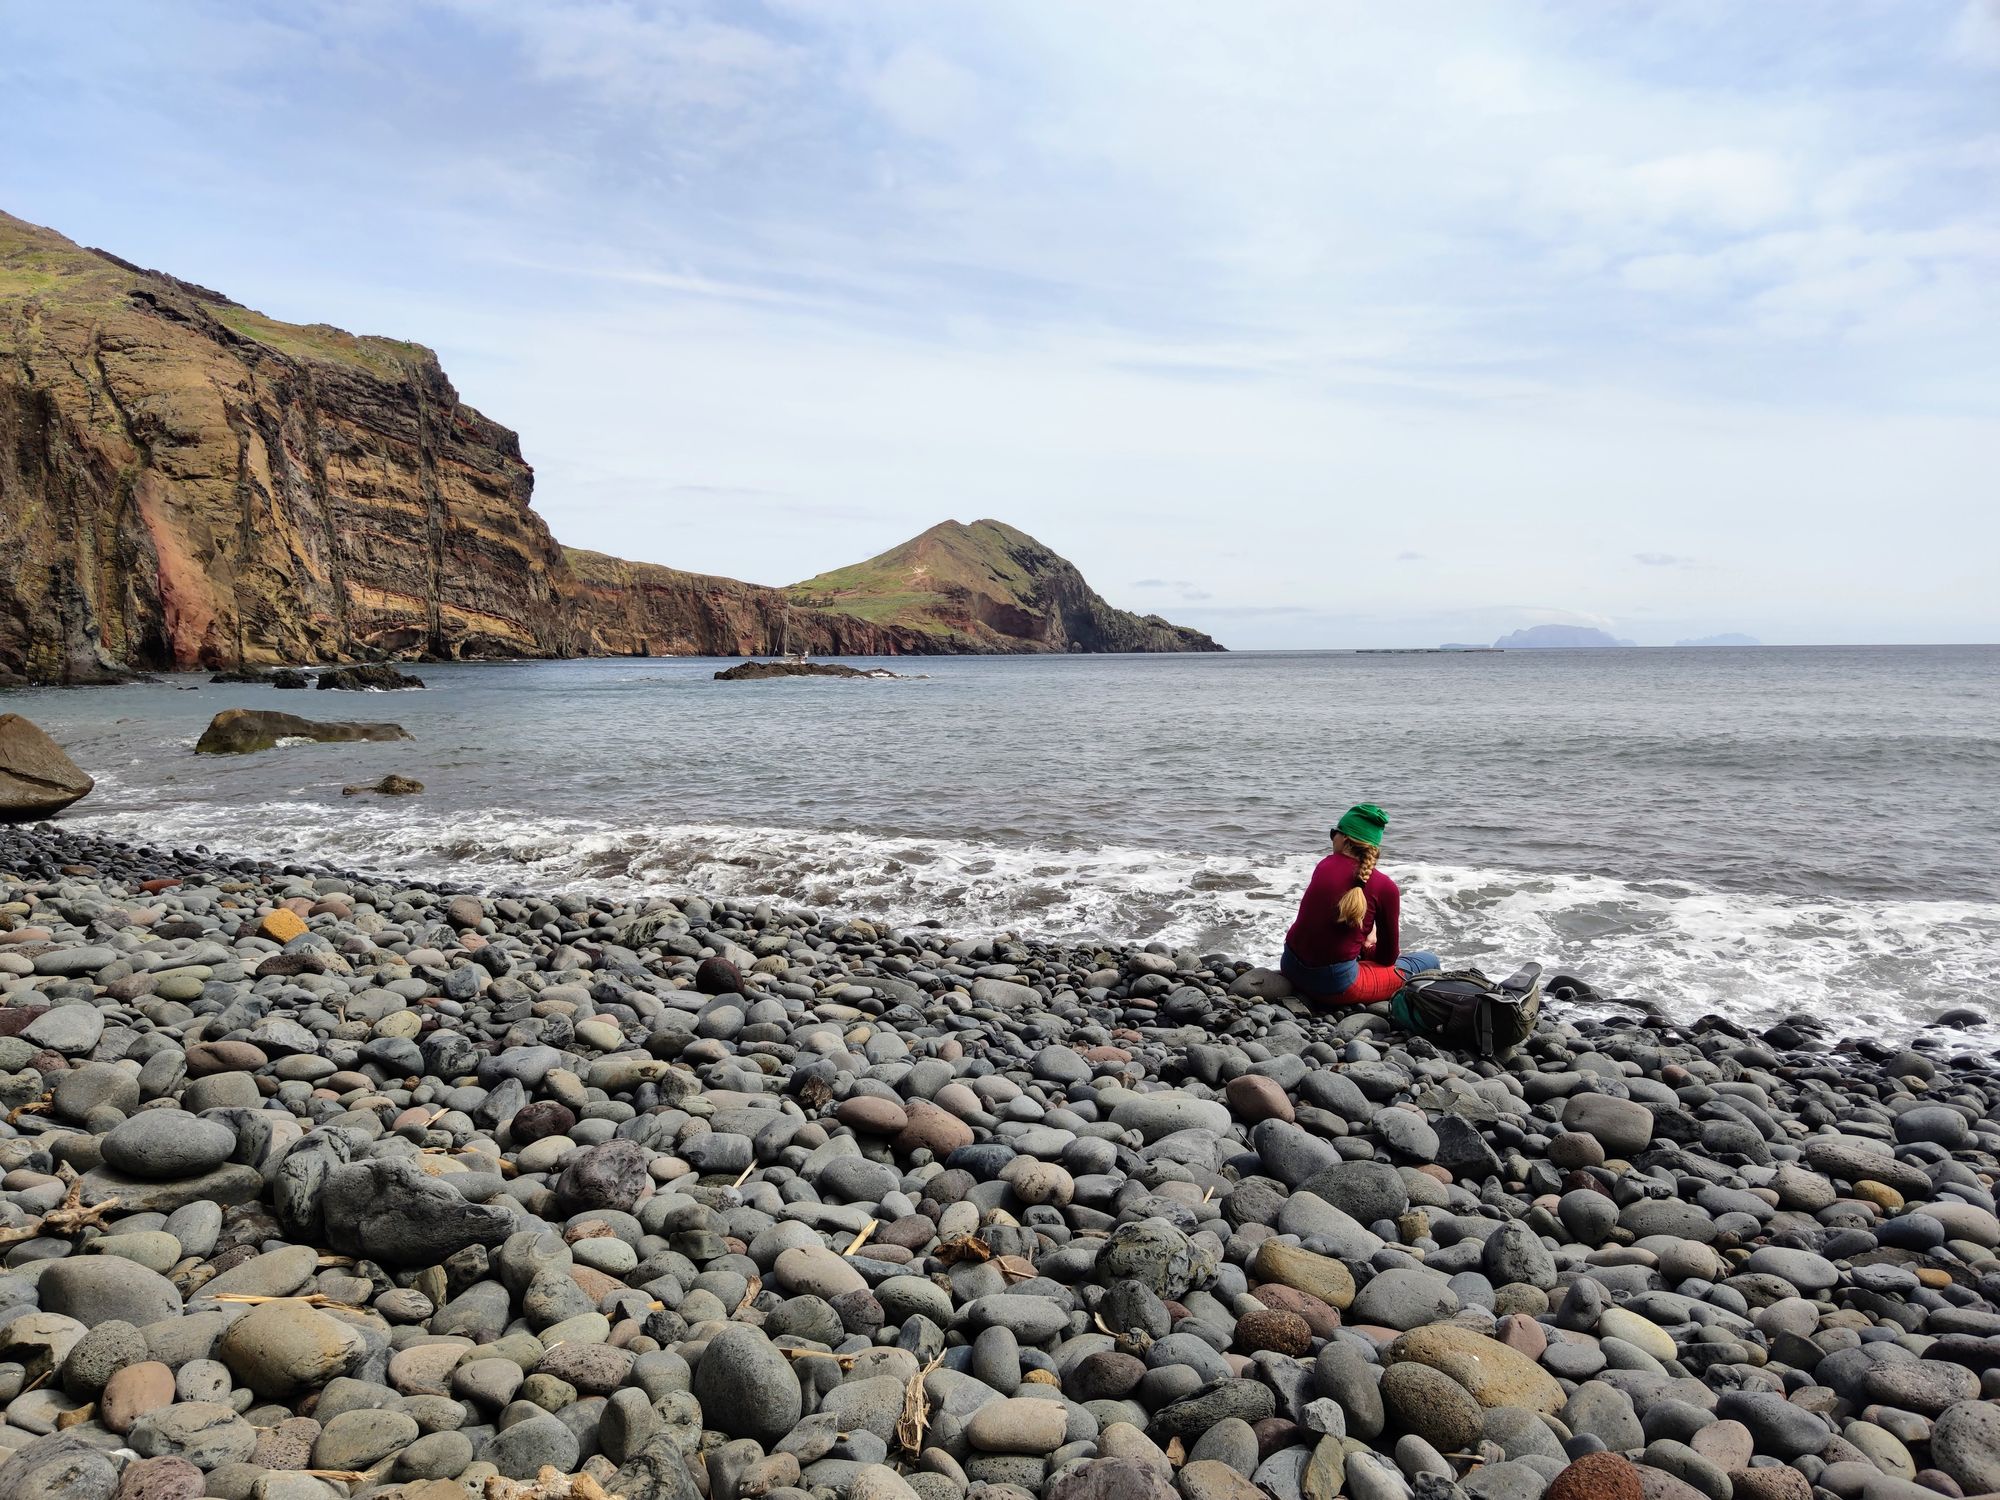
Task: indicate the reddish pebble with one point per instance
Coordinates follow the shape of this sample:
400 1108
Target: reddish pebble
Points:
170 1477
133 1391
1321 1317
1279 1332
536 1120
1253 1097
1521 1332
872 1115
204 1058
933 1130
1597 1476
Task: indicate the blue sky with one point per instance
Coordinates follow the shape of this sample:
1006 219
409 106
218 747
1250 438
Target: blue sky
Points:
1312 324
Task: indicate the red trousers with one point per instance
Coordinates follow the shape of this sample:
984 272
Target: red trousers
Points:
1375 982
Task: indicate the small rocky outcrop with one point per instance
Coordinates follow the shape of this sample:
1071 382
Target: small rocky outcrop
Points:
370 677
759 671
242 731
36 779
389 786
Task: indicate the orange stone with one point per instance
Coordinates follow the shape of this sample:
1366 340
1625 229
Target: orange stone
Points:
281 925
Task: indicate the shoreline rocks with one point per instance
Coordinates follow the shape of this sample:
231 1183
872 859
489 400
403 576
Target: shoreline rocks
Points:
244 731
327 1185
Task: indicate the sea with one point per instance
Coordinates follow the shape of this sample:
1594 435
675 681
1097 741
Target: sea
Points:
1750 832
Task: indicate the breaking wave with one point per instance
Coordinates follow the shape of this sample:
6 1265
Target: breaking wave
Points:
1882 967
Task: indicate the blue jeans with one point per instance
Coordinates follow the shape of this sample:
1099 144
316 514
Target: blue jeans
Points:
1334 980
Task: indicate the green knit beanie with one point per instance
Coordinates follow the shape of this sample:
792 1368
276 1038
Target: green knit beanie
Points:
1365 823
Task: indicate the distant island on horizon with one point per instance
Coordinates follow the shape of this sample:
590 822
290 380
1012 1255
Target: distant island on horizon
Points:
1583 637
1558 637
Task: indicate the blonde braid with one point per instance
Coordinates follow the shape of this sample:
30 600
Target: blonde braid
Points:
1353 910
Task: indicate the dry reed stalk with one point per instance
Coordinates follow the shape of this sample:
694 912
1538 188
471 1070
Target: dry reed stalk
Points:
916 1411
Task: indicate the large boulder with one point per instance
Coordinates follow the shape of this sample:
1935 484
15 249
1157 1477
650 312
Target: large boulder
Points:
388 1210
36 779
239 731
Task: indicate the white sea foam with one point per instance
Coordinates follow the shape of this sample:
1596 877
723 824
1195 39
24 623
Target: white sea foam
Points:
1880 967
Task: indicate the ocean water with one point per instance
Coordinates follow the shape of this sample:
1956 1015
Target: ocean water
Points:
1753 832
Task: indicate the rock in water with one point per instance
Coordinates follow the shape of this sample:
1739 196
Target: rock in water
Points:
36 779
758 671
374 677
391 785
242 731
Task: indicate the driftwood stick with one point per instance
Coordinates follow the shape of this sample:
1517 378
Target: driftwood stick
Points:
916 1411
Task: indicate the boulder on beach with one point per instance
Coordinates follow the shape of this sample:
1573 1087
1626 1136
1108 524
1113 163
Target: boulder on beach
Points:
242 731
36 779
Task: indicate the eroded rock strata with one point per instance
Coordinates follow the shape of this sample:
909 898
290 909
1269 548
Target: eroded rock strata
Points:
186 483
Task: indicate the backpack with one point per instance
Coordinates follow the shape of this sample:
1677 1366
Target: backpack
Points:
1463 1008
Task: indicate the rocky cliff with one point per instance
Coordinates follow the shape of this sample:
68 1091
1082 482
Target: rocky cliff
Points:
187 483
642 609
989 587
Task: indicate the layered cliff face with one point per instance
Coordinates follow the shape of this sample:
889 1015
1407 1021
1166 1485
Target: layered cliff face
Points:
185 483
989 587
641 609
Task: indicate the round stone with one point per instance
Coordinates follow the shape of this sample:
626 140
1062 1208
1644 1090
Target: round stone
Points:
168 1144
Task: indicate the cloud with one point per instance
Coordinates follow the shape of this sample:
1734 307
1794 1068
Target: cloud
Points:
1409 557
1169 285
1975 35
1662 560
1184 588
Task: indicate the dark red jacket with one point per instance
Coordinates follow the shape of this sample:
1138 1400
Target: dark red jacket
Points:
1317 936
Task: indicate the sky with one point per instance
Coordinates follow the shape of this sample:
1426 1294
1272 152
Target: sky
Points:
1309 324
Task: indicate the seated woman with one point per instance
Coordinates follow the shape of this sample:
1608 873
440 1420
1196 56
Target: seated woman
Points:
1344 948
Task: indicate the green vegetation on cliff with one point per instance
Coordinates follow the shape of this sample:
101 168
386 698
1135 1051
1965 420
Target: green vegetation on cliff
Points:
989 587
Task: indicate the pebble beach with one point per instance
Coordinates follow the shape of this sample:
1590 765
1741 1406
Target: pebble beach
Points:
318 1185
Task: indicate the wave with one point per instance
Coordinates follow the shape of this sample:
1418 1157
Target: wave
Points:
1881 967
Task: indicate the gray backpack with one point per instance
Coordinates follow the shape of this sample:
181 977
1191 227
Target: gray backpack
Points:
1464 1009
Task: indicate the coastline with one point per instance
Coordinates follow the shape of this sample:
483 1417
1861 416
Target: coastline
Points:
633 1190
